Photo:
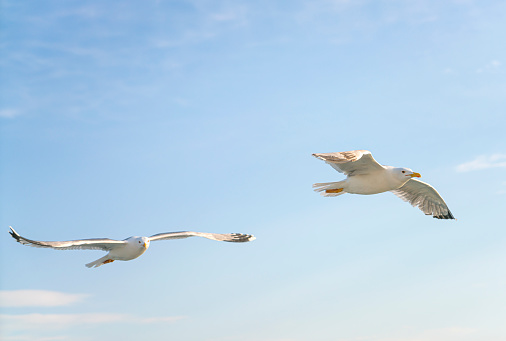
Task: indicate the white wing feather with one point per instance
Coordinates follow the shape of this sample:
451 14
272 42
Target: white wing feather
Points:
232 237
81 244
351 163
425 197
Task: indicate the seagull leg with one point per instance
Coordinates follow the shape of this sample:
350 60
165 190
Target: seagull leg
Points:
336 190
108 261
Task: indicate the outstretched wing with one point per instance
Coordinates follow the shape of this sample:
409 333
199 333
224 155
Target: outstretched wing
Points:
351 163
231 237
81 244
425 197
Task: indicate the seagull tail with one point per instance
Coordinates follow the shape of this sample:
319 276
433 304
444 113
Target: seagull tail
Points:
330 189
98 262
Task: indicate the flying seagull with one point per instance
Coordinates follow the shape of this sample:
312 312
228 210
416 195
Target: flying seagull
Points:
126 249
366 176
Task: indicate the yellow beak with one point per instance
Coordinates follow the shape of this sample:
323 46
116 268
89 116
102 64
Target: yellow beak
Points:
415 175
145 246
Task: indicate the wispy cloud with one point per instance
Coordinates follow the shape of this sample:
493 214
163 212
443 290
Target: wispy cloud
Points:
37 298
33 338
491 67
449 71
502 190
236 14
483 162
85 12
9 113
439 334
445 334
62 321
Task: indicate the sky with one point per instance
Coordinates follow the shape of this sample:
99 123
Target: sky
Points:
133 118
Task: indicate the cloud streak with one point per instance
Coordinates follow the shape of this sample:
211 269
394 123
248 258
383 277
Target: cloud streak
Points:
491 67
37 298
483 162
62 321
33 338
9 113
439 334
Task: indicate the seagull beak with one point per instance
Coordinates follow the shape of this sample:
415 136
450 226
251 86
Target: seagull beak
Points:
415 175
145 246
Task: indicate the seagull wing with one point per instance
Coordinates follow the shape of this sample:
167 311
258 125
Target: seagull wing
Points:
81 244
425 197
232 237
351 163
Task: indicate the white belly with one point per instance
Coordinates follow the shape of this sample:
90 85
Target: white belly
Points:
371 183
127 253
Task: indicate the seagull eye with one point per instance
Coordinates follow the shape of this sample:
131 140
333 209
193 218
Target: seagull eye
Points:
403 172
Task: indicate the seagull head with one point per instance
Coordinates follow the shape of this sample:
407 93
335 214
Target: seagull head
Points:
404 173
141 242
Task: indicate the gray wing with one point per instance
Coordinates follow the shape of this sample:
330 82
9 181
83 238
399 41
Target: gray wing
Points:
351 163
81 244
232 237
425 197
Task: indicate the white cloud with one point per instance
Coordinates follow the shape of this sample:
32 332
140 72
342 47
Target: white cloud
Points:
37 298
238 14
483 162
61 321
33 338
439 334
56 321
9 113
491 67
163 319
503 189
445 334
450 71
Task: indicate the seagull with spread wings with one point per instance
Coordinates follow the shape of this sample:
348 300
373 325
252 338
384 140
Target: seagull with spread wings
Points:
366 176
126 249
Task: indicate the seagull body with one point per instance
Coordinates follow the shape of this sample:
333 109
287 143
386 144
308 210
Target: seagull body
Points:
126 249
373 183
366 176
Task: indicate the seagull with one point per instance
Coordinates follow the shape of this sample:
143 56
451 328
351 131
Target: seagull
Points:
126 249
366 176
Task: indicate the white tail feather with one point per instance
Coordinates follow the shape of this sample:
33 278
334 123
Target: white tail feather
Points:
323 187
98 262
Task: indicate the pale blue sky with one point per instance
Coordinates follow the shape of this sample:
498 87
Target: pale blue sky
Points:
134 118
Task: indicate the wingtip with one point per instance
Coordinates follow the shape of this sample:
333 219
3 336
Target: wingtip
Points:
241 238
248 238
448 216
14 234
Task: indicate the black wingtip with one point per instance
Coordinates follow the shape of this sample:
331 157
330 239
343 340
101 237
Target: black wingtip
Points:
241 238
14 234
449 215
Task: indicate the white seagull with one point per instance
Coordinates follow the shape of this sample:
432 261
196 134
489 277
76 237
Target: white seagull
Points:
366 176
126 249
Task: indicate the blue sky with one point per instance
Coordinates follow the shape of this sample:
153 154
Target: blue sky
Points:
134 118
